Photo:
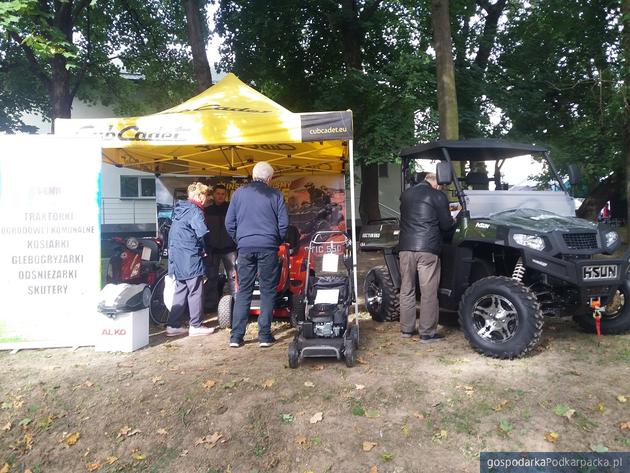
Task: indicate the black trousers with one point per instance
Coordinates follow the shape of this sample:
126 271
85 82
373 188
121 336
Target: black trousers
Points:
213 262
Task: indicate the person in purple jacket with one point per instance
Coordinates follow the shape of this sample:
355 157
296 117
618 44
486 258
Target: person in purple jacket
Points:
257 221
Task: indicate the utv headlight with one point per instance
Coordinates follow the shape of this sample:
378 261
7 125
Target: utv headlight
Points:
611 239
530 241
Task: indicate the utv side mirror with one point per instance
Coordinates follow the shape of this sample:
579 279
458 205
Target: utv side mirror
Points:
444 173
574 174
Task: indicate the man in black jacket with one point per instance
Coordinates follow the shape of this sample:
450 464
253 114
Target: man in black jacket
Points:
221 247
424 216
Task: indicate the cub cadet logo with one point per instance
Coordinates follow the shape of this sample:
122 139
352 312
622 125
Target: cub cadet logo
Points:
332 129
371 235
116 331
482 225
134 133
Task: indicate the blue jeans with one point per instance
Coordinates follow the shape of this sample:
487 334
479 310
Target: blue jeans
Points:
265 265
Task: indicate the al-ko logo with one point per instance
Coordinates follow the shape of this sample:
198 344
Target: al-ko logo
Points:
135 133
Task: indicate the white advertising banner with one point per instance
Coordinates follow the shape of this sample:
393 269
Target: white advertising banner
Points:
50 255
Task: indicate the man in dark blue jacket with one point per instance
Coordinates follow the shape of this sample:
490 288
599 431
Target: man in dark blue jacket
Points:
257 221
186 250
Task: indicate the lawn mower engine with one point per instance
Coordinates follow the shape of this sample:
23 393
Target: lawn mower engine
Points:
326 321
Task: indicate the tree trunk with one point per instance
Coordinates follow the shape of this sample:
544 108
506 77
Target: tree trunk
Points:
602 193
368 203
625 10
447 93
203 76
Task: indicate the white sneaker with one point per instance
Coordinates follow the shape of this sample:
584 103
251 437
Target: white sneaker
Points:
176 331
198 331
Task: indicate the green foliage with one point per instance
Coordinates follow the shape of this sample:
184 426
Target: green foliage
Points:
301 55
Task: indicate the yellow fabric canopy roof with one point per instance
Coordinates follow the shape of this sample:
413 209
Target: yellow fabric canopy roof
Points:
224 130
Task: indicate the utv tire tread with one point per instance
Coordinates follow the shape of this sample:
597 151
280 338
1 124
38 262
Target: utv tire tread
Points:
224 311
533 321
390 308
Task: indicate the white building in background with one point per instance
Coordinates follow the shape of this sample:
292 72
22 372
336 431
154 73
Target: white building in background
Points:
127 196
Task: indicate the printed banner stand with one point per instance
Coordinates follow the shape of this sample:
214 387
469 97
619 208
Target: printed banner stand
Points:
50 255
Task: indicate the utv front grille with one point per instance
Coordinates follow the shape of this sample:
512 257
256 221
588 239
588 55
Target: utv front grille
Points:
580 241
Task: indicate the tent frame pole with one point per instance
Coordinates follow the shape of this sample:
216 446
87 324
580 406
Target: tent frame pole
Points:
354 234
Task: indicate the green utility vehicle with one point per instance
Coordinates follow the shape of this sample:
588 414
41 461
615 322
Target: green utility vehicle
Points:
513 257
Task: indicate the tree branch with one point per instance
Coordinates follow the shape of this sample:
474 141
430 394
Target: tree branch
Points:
32 60
82 5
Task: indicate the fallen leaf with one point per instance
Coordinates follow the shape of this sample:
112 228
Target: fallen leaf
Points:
600 448
24 422
124 431
18 402
134 432
209 383
309 384
372 413
137 455
72 438
157 380
551 437
318 367
359 387
46 422
441 435
162 432
301 440
418 415
5 468
229 385
28 470
317 417
373 469
361 360
624 425
111 459
405 430
367 446
380 328
184 453
601 407
6 427
89 384
214 438
501 405
201 441
621 398
386 456
561 409
268 383
93 466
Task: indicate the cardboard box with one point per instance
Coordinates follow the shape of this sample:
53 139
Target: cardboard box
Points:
128 332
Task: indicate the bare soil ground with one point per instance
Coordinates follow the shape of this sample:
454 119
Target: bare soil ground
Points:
195 405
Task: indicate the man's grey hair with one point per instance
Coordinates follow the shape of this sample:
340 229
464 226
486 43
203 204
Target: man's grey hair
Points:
431 177
262 171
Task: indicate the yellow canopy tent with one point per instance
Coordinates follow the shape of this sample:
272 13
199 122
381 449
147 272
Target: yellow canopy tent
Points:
222 131
225 131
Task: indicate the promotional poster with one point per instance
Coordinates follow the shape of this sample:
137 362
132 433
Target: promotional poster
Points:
314 203
50 239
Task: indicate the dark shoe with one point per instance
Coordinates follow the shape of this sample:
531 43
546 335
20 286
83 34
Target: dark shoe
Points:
267 343
236 343
406 334
431 338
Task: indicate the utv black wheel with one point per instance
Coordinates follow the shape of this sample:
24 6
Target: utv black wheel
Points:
500 317
381 299
349 353
298 308
616 317
294 356
226 304
158 313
